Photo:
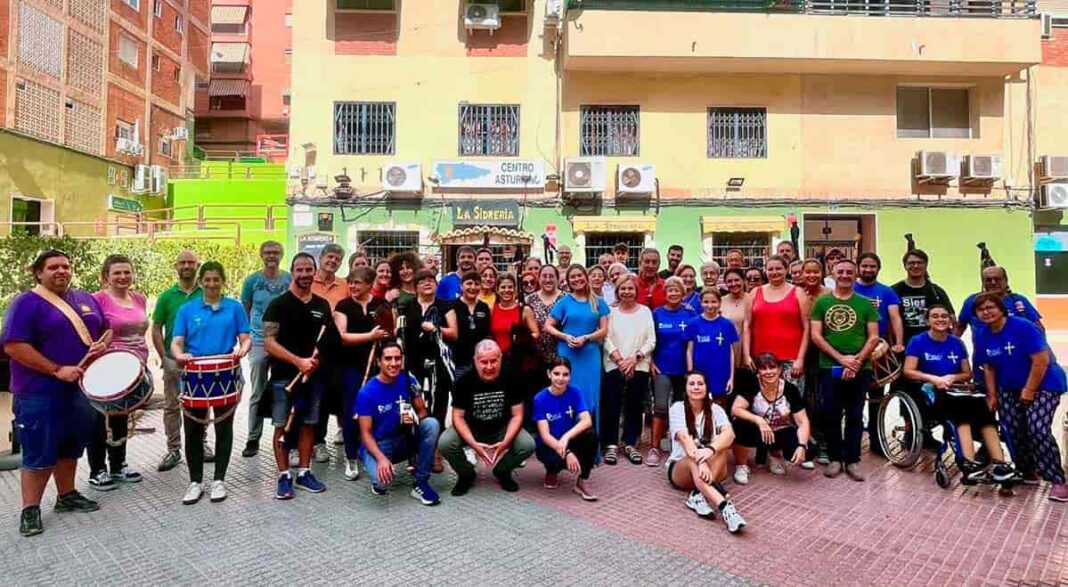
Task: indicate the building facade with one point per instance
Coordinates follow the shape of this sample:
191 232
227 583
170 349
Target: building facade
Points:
527 122
244 108
96 100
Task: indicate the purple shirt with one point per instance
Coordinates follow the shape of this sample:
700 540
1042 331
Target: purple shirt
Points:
33 320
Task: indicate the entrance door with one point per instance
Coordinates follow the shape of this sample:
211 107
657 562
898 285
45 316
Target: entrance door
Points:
851 234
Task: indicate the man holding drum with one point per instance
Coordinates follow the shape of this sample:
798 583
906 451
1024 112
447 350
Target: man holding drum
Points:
49 333
293 326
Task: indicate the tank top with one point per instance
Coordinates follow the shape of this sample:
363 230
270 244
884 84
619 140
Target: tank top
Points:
501 322
776 326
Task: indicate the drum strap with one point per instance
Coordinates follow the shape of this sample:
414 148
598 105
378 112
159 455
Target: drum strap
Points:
65 309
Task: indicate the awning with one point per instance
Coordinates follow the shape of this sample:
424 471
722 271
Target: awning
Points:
229 52
228 14
228 87
614 224
765 224
475 235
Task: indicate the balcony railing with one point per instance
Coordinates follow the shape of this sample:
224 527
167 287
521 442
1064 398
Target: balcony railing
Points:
911 8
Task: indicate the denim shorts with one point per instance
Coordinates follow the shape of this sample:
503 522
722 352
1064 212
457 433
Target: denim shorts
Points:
307 400
52 425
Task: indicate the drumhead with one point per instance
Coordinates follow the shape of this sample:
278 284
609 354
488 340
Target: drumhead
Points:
111 373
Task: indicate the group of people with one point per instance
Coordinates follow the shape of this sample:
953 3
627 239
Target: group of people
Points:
563 363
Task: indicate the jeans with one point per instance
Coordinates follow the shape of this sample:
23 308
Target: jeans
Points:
257 359
844 398
52 425
584 447
452 448
100 452
172 410
422 441
627 395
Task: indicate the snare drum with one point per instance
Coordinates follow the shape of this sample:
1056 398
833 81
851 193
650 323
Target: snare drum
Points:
116 383
211 382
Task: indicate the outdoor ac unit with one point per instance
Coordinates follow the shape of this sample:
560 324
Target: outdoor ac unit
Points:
1054 195
636 178
584 175
985 166
159 179
180 133
137 149
482 16
123 145
554 12
939 165
142 179
1054 167
402 177
322 179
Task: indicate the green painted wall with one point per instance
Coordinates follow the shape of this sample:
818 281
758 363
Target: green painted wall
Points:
232 193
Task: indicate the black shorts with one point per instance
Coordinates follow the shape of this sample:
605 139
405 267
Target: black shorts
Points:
748 434
972 410
671 480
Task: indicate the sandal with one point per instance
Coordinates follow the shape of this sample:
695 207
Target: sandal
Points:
633 455
610 455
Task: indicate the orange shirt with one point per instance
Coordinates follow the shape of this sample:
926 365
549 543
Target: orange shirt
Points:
334 293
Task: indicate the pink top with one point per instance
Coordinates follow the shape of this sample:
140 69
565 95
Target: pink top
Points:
128 325
776 327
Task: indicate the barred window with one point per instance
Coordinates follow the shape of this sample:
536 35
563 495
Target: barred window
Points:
364 128
609 131
599 243
365 5
737 133
380 244
489 129
755 246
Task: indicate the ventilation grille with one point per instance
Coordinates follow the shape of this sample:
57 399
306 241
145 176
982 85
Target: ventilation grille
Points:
84 128
38 111
91 13
40 36
85 63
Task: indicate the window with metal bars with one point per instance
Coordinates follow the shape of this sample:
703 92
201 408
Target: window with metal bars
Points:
489 129
611 131
755 246
380 244
364 128
737 133
599 243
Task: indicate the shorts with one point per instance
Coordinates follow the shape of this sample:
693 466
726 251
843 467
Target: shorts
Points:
52 425
670 470
306 399
973 411
747 434
667 389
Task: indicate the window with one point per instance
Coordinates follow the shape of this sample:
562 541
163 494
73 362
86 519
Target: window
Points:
286 97
288 20
39 212
365 5
155 62
380 244
487 129
609 130
179 23
933 113
165 147
737 133
177 74
124 130
287 57
755 246
157 8
128 51
849 234
228 28
135 4
599 243
364 128
512 5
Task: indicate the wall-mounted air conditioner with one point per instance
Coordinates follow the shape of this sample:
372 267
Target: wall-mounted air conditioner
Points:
485 17
1054 167
585 175
1054 195
402 177
636 178
142 179
984 167
940 165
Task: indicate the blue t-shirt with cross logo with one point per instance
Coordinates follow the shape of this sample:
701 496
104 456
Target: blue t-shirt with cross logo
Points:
561 412
712 340
938 358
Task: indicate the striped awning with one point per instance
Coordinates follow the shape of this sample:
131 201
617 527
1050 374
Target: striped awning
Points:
228 14
475 234
228 87
765 224
229 52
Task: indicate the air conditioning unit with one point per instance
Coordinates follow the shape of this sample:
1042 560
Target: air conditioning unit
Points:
137 149
636 178
322 179
142 179
180 133
1054 195
485 17
124 145
939 165
584 175
988 167
402 177
554 12
1054 167
159 179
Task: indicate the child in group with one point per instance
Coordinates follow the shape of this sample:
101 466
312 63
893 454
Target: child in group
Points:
710 347
565 430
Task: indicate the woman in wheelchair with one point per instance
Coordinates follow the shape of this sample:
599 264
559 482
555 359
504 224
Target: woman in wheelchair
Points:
939 360
772 416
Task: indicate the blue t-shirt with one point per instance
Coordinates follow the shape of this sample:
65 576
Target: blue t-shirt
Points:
1009 352
381 402
562 412
712 340
209 331
670 352
693 302
1015 305
258 291
450 287
576 318
937 358
882 297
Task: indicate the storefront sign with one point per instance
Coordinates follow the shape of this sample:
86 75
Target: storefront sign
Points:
497 174
486 213
127 205
313 242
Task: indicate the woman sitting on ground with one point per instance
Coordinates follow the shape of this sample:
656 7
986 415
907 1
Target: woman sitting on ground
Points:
772 416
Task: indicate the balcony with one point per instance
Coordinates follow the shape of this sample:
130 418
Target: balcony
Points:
876 37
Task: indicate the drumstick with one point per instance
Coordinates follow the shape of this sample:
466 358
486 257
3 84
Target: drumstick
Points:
301 377
370 360
105 339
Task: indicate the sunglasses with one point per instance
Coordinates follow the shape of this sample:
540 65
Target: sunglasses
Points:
752 278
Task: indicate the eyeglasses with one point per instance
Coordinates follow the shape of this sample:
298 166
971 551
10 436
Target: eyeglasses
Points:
754 278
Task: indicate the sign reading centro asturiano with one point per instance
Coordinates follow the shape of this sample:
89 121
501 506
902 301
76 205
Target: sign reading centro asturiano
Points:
485 213
313 242
501 174
124 204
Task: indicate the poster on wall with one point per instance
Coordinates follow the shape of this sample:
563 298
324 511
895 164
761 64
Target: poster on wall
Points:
313 242
497 174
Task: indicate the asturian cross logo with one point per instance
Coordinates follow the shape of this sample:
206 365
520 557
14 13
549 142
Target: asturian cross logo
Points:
840 318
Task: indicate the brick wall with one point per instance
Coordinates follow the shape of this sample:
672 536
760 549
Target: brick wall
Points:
138 17
135 75
365 33
508 41
3 96
164 31
201 10
163 84
1055 49
199 46
163 125
123 105
5 26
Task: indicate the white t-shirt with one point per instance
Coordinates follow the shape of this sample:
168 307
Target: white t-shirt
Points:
677 421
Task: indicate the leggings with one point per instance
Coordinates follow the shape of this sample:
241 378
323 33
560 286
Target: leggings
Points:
100 452
194 443
1030 431
584 446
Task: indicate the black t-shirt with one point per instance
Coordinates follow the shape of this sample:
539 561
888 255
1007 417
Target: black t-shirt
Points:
665 273
419 345
473 327
914 304
299 324
358 322
487 406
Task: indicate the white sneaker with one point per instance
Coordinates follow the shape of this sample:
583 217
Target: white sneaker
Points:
741 474
698 504
735 522
294 458
775 466
218 491
339 437
320 454
193 494
352 469
808 465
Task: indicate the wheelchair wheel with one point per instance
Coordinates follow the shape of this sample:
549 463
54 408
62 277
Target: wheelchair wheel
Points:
941 476
900 429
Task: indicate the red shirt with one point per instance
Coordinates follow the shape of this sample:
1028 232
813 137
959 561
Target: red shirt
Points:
654 296
501 323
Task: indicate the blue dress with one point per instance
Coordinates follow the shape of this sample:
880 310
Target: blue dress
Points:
575 318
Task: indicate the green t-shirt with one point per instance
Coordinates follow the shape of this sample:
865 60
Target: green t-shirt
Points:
845 324
167 308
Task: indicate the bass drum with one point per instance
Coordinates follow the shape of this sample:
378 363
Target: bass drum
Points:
885 365
116 383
